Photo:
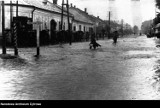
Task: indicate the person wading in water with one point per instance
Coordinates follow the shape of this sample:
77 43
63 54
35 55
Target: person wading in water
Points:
115 37
93 43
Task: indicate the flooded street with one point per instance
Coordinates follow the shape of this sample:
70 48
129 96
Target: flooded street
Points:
128 71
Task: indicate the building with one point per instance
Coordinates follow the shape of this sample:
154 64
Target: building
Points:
85 22
38 11
49 13
35 10
81 22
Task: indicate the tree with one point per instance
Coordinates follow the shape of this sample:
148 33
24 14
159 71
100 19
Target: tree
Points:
126 29
135 29
146 26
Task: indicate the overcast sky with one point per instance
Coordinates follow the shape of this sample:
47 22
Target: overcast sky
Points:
100 8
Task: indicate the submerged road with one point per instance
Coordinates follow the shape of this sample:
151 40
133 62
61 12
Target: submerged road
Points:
128 71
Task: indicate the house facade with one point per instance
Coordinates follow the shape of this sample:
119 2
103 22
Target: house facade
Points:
38 11
81 22
46 12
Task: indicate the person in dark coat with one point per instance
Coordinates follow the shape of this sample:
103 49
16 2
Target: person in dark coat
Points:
93 43
115 37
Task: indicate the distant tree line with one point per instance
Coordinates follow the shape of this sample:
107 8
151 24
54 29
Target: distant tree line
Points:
124 29
146 26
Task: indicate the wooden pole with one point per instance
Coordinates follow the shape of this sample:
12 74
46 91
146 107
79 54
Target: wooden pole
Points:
109 24
122 28
69 26
38 23
38 40
15 37
15 32
17 9
62 15
3 29
11 16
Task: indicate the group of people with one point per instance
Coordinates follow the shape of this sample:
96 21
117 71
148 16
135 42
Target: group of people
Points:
94 44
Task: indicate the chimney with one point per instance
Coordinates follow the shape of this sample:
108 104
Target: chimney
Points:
45 2
98 17
85 9
74 6
55 1
71 5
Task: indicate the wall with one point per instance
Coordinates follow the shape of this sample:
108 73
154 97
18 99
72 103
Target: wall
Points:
38 16
76 24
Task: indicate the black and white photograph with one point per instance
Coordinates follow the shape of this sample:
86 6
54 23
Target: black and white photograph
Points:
79 50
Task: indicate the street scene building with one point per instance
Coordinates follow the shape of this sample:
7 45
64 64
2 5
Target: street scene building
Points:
50 15
68 51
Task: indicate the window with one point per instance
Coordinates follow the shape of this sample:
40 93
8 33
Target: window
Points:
80 27
59 25
64 26
74 28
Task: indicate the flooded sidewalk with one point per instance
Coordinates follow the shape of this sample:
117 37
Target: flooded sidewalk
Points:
128 71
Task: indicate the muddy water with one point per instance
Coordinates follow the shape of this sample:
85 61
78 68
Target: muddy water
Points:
130 70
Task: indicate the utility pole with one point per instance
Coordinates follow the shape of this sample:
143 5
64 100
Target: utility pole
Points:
109 25
69 26
17 9
3 29
15 31
62 15
37 23
11 16
122 28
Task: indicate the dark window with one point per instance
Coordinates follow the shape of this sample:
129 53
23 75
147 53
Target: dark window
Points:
59 25
74 28
84 29
80 27
64 26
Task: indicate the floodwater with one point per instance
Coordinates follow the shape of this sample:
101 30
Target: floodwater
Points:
128 71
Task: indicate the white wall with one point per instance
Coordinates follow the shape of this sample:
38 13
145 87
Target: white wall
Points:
87 26
43 17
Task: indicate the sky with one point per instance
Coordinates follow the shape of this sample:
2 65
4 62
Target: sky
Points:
100 8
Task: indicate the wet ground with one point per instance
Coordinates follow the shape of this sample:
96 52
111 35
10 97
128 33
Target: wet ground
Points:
128 71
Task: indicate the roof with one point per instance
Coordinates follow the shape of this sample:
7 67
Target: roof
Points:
85 17
79 15
50 7
96 19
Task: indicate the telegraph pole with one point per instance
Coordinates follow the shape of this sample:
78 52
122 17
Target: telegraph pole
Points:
15 31
122 28
62 15
11 15
17 9
109 25
3 30
69 26
37 23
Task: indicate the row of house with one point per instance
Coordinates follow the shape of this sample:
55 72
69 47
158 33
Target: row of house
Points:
49 13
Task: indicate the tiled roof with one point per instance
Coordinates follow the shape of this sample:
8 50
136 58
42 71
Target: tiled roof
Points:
38 4
49 6
79 15
85 17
